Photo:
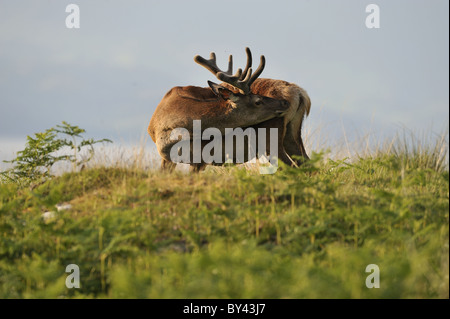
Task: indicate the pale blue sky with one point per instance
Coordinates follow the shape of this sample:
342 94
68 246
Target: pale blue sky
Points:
109 75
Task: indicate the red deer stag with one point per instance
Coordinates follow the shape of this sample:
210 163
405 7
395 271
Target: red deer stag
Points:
217 107
290 143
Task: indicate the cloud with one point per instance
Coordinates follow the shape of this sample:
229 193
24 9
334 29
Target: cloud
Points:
109 75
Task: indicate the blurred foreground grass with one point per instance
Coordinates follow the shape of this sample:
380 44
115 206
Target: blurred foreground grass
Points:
231 233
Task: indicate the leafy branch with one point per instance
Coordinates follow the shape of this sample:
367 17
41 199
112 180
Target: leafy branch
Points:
34 163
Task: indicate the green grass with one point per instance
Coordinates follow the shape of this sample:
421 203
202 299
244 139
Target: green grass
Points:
231 233
228 232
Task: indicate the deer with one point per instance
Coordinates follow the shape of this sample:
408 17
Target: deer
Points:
233 105
291 149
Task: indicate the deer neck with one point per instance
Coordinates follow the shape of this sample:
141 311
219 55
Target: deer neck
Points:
221 114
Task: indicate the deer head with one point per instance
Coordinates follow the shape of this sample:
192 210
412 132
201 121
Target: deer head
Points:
237 89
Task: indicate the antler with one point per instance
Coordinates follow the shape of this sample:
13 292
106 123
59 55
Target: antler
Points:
240 80
211 64
249 62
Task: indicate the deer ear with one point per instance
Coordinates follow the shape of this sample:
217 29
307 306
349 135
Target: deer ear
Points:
220 90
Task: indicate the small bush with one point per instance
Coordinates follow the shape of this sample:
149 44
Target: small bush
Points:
34 163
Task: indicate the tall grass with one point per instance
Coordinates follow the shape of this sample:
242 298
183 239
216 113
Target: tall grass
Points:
424 149
427 150
305 232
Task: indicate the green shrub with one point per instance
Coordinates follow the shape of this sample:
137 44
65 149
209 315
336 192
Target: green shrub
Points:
34 163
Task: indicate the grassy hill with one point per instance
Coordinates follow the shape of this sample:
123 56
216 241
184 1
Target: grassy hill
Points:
232 233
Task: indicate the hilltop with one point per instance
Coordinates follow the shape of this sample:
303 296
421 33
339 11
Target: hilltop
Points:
231 233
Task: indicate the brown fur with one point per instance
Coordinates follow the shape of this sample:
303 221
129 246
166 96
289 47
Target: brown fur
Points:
182 105
290 127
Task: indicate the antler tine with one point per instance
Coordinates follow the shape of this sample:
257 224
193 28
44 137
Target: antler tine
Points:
230 65
248 76
211 64
249 63
241 80
233 80
244 80
258 71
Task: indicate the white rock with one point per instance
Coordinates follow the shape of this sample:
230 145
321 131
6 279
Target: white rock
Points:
61 207
48 215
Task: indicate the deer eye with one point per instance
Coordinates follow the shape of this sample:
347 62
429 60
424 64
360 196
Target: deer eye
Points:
258 102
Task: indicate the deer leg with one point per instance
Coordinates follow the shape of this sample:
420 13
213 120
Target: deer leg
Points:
294 146
196 168
277 123
167 165
283 155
